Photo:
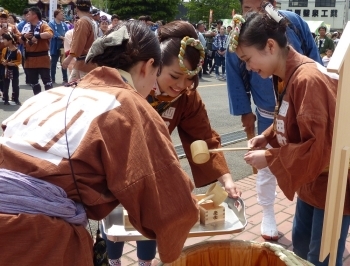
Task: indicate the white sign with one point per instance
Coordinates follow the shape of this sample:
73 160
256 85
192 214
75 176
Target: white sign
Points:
53 7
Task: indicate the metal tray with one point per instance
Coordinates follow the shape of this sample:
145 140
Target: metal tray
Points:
235 222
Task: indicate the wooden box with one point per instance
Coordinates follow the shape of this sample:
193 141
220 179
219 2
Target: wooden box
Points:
209 213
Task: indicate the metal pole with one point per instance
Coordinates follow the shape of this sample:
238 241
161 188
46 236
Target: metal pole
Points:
346 15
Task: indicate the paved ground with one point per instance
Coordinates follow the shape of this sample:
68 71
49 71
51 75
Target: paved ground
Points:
284 210
214 95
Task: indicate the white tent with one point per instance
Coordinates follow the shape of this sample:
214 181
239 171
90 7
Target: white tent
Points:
314 25
103 13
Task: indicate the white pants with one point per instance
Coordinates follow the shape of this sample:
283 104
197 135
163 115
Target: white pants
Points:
265 186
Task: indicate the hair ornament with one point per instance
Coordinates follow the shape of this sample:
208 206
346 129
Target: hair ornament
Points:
196 44
272 12
237 21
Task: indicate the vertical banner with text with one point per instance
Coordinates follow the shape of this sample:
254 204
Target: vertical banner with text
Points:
210 18
52 8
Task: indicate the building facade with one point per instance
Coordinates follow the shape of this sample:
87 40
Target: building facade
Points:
332 12
66 5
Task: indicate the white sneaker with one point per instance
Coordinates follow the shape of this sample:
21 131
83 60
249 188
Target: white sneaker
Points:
268 225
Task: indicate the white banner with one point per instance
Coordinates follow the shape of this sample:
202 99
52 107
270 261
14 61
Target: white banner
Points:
53 7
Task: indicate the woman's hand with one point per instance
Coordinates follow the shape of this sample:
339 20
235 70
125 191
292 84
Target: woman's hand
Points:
67 61
256 159
258 142
230 186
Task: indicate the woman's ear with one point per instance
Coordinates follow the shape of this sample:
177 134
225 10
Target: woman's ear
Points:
148 68
270 46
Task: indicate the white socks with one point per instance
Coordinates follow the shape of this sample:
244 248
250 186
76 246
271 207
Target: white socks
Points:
268 224
116 262
145 263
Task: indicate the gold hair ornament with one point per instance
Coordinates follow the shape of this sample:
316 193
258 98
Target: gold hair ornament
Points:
196 44
237 22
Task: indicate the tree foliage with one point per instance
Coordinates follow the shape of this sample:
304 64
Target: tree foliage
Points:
14 6
222 9
157 9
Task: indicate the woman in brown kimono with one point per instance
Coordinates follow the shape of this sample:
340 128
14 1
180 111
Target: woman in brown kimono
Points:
179 104
73 153
302 132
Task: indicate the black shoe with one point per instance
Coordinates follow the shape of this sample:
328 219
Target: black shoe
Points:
6 103
17 102
205 73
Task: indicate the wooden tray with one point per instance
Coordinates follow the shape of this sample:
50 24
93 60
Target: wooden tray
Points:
235 222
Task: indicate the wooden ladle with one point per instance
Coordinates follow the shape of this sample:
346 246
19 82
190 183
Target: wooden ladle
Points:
200 151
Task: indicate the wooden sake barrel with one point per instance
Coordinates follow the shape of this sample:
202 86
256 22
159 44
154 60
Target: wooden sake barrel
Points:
237 253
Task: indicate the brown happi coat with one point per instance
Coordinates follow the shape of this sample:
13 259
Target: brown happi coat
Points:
303 139
83 37
123 154
43 45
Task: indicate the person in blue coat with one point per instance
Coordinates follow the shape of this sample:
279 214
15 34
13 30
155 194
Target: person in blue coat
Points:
59 28
242 85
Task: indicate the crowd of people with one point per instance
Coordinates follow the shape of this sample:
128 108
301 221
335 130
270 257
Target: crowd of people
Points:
103 139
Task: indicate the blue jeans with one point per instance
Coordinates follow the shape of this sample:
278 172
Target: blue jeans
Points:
146 249
307 234
219 61
54 60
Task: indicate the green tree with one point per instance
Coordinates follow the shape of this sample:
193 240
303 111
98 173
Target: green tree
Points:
222 9
14 6
104 5
157 9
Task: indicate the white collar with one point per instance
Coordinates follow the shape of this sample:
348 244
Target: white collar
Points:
128 77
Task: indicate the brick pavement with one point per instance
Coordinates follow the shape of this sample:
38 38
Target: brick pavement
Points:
284 210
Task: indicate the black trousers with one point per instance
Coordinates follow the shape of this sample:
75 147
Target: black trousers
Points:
15 86
208 61
2 77
33 78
